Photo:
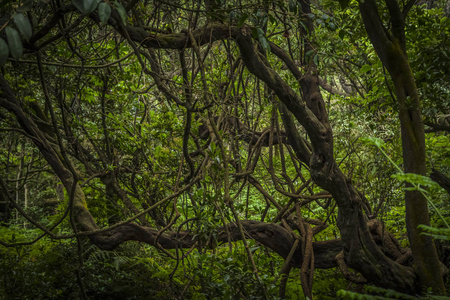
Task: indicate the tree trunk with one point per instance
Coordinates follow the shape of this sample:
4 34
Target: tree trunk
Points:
359 248
391 48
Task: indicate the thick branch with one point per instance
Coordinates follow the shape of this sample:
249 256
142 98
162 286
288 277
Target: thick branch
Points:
398 22
270 235
379 36
441 179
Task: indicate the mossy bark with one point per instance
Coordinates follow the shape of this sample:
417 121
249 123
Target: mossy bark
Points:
391 48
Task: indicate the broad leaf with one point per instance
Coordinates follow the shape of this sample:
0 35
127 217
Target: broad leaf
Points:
104 12
332 26
242 20
24 25
308 55
91 5
14 42
79 5
85 6
316 59
122 12
262 39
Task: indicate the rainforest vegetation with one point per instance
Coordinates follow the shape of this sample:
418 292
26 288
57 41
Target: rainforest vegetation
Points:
271 149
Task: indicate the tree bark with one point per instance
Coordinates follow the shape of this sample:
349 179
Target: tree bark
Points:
391 48
359 248
441 179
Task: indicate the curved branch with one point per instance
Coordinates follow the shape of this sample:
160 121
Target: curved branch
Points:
271 235
441 179
360 249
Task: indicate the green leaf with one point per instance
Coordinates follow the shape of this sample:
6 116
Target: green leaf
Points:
4 52
415 179
341 34
379 143
316 59
242 20
79 5
116 264
91 5
14 42
364 69
24 25
86 6
104 12
259 32
437 233
122 12
254 33
332 26
262 39
308 55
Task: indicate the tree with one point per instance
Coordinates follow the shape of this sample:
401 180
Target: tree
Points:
391 48
164 121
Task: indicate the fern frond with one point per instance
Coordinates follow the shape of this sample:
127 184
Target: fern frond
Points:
437 233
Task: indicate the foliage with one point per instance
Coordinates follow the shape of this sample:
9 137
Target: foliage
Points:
380 293
47 270
190 135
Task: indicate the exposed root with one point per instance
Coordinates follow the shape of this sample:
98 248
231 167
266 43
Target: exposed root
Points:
346 272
